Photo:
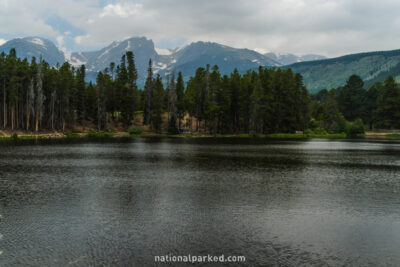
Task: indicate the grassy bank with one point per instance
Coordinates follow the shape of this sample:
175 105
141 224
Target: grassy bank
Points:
267 136
390 136
93 134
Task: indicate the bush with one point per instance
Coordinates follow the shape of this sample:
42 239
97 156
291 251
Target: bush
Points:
172 129
320 131
308 132
14 136
134 130
355 129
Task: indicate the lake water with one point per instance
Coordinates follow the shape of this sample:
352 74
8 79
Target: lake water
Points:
121 202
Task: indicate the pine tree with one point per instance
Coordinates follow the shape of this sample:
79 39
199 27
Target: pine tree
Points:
172 127
388 111
235 95
157 104
180 101
80 90
351 97
148 95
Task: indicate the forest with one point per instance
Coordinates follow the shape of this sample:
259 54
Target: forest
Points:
37 97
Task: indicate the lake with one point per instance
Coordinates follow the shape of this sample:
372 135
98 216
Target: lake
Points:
123 201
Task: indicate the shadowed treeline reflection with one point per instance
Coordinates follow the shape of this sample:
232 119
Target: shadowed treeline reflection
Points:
123 201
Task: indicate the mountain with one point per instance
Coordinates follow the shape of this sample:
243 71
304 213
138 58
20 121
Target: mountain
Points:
186 59
96 61
190 57
318 73
34 47
287 59
334 72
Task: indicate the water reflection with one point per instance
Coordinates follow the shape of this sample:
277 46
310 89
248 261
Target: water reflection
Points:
123 201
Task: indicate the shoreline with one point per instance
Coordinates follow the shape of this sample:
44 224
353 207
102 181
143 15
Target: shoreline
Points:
67 135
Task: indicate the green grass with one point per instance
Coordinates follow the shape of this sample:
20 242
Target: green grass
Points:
24 137
100 134
30 137
385 136
393 135
268 136
72 135
335 135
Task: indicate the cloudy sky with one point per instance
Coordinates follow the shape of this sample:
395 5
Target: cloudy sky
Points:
327 27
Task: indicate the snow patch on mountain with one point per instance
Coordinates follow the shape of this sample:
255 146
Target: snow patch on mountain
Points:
38 41
77 62
164 52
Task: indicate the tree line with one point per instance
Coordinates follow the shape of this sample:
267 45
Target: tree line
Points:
37 97
378 107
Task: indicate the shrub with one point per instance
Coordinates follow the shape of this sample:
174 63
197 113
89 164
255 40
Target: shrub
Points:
14 136
320 131
355 129
308 132
134 130
172 129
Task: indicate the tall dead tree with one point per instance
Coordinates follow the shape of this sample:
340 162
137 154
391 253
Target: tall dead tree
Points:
52 107
4 101
39 95
30 98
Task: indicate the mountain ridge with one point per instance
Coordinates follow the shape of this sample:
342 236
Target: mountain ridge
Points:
185 59
318 74
331 73
287 59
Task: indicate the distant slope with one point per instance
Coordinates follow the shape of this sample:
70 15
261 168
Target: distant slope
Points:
199 54
29 47
332 73
287 59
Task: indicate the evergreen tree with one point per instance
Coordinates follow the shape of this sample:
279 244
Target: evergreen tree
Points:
157 104
351 98
80 95
388 110
148 95
180 101
172 127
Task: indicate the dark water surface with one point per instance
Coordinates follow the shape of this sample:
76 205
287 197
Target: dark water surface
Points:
120 202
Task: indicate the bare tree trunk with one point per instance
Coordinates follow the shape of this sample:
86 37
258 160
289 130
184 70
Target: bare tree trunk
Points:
4 104
27 119
12 116
39 97
99 117
17 115
83 113
53 96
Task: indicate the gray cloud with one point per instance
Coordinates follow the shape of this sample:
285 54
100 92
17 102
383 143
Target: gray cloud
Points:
329 27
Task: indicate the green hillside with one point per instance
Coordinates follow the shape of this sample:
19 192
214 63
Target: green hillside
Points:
332 73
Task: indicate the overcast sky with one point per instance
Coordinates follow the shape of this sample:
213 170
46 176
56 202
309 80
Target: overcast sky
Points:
327 27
